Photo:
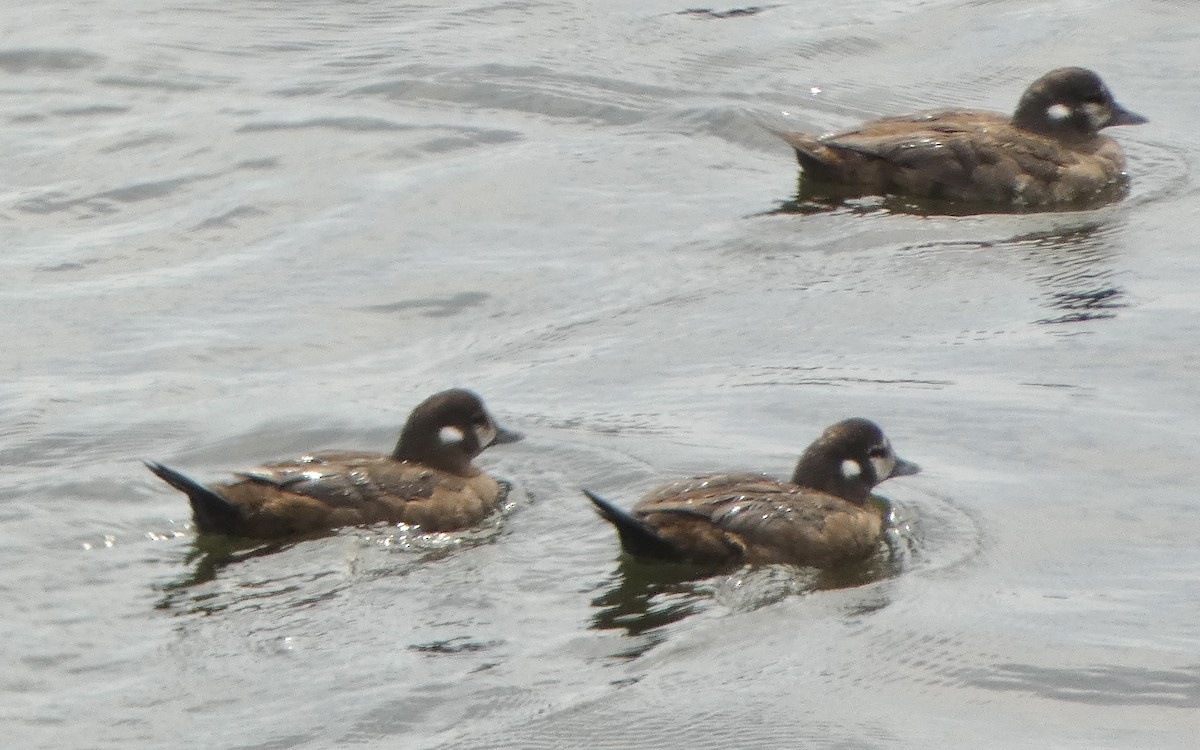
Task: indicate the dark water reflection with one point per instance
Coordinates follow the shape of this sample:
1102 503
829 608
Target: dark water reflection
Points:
209 555
1076 265
642 597
197 592
221 572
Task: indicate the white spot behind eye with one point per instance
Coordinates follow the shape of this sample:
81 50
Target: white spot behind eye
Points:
851 469
1058 111
450 435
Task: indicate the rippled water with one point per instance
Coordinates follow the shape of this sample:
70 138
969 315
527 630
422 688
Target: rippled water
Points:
235 232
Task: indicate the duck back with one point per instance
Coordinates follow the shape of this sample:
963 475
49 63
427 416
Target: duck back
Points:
740 517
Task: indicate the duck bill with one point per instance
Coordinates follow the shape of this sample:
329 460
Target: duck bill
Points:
1125 117
506 436
904 468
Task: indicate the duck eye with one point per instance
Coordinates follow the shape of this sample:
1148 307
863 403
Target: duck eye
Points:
877 452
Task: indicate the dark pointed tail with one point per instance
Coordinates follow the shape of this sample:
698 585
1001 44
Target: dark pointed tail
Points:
638 538
212 513
810 152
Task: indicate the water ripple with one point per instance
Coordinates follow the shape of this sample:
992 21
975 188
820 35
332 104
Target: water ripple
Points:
47 60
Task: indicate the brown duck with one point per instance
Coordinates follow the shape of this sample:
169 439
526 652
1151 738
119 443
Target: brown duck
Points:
427 481
820 518
1048 154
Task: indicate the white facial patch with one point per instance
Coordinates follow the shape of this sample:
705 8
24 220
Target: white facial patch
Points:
851 469
1097 115
1058 111
450 435
883 466
485 434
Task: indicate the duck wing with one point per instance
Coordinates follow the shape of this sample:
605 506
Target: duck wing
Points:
345 479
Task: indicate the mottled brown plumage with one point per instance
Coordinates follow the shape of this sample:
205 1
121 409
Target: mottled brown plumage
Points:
820 517
1048 154
427 481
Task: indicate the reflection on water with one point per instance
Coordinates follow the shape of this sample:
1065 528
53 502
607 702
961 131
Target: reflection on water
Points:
197 592
210 554
1080 306
1074 264
293 582
644 596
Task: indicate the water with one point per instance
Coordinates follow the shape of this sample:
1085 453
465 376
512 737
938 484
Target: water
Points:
238 232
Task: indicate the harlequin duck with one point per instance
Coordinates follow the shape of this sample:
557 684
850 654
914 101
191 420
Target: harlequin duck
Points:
1048 154
427 481
819 518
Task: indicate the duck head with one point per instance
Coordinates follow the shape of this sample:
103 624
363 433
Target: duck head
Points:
1070 102
449 429
849 459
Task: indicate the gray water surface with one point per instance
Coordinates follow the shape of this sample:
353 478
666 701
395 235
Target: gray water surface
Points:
235 232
